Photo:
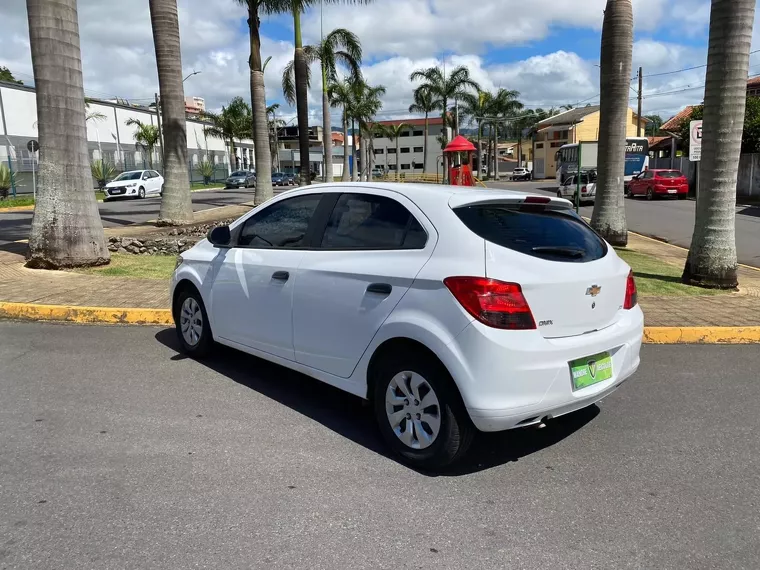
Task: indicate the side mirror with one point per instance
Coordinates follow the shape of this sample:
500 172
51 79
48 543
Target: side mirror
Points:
220 236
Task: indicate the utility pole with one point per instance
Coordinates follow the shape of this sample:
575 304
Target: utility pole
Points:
641 91
160 132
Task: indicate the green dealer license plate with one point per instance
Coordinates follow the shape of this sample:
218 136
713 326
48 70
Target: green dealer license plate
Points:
590 370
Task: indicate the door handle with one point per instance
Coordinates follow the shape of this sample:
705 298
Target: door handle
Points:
281 275
379 288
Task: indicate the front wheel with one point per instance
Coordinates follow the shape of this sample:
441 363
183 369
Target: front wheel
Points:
419 411
191 322
141 193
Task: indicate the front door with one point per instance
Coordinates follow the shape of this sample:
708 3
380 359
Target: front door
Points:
372 249
252 292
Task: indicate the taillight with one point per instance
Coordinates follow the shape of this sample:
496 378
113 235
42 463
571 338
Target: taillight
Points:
494 303
631 296
583 190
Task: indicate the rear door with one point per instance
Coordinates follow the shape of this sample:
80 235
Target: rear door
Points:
573 281
372 248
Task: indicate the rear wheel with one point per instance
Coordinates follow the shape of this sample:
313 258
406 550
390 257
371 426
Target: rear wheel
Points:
650 194
191 322
419 411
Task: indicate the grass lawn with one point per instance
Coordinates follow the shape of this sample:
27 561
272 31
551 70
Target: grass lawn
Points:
202 186
15 202
655 277
129 265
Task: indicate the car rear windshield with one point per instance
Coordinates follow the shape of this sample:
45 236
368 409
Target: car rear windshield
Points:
239 173
669 174
548 234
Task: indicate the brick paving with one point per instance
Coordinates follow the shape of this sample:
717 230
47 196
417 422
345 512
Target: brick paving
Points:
18 284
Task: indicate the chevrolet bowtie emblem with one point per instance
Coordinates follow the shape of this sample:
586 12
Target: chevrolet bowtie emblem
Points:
594 290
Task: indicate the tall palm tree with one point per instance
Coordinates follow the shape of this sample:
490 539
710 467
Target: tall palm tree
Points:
393 132
66 228
424 102
608 218
445 88
341 95
259 123
365 104
146 137
340 46
475 107
232 122
274 125
712 256
505 106
176 204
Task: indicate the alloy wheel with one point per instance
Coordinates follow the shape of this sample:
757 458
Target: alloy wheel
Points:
413 410
191 321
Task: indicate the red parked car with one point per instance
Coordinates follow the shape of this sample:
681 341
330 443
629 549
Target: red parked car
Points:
655 183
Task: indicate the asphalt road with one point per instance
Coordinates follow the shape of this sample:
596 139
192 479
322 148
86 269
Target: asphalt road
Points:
116 452
671 220
15 225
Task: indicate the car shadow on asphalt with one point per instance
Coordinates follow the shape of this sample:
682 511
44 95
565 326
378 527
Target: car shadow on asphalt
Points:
352 417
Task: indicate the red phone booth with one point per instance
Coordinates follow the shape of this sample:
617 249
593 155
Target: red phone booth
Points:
460 173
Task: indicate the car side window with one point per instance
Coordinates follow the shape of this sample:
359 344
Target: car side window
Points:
154 174
367 221
146 175
281 225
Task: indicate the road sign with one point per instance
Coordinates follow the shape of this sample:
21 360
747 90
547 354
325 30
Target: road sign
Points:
33 146
695 141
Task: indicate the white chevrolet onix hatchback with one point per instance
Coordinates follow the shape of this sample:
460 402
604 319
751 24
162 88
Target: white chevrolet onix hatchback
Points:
449 308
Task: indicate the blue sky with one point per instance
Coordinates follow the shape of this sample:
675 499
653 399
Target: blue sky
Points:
546 49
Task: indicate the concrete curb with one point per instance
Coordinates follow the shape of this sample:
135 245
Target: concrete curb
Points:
102 315
163 317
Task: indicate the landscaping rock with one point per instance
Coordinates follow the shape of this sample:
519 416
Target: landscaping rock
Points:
170 242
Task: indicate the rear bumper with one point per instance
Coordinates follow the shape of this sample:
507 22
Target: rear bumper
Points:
515 378
677 191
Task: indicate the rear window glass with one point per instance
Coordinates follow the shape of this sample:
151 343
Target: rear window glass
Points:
547 234
669 174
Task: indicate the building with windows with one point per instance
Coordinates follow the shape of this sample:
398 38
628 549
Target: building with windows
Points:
412 146
573 126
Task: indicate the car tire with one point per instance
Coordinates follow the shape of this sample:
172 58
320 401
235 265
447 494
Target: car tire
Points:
191 324
141 193
650 194
418 375
559 194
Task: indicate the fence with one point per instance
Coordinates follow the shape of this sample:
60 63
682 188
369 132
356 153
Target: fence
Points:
25 171
747 184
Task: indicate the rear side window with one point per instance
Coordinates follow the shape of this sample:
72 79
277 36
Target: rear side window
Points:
548 234
281 225
669 174
366 221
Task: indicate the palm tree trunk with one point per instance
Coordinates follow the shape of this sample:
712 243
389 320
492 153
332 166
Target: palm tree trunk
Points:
445 135
326 129
519 146
354 173
398 155
345 177
495 151
302 103
712 256
425 146
608 218
66 228
176 204
261 150
480 134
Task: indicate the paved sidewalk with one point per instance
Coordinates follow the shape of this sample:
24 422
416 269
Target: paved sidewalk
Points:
21 285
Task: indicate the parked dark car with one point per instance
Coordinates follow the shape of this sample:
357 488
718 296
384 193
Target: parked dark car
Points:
241 179
279 179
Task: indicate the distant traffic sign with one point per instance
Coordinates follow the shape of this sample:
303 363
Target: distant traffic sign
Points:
695 141
33 146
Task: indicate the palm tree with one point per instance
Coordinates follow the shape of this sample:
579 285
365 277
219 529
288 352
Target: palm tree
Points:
424 102
274 125
476 107
232 122
146 137
339 46
176 204
365 104
259 123
445 88
66 228
608 218
393 132
712 256
341 95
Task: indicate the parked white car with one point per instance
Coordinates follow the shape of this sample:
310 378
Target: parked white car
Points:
449 308
570 187
135 184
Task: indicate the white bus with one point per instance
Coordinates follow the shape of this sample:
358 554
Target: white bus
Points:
636 158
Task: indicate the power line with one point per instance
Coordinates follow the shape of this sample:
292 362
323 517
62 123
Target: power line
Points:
684 69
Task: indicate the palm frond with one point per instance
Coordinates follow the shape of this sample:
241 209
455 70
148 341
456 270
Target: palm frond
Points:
289 83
